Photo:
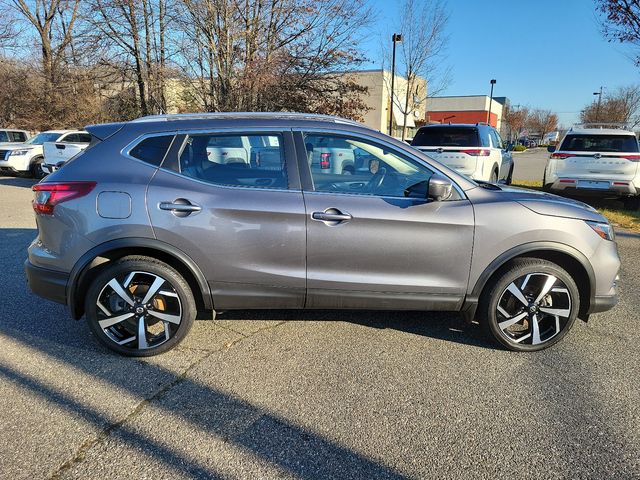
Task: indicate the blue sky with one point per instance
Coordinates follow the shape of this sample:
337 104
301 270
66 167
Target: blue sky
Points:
543 53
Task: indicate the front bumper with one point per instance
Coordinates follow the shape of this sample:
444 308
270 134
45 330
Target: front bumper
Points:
45 283
12 163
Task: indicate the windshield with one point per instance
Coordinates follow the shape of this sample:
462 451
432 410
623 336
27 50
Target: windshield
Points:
43 137
446 137
600 143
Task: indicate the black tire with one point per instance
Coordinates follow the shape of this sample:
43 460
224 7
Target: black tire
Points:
500 291
545 187
509 179
175 292
348 170
35 169
632 203
494 176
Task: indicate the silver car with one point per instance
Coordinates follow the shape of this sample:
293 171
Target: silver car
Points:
143 230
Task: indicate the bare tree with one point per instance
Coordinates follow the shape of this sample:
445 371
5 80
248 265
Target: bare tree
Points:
516 120
621 22
423 27
53 42
542 122
621 106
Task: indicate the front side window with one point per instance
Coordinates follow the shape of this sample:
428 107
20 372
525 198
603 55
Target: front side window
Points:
239 160
600 143
152 150
352 165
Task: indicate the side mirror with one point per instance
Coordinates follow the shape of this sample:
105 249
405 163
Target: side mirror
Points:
551 148
508 147
440 188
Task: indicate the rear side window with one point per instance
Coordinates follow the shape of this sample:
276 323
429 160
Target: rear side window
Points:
256 161
600 143
446 137
152 149
17 136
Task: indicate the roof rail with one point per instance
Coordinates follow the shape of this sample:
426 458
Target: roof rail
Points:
481 123
239 115
601 125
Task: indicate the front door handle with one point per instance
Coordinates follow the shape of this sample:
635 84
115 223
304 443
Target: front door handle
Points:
180 207
331 216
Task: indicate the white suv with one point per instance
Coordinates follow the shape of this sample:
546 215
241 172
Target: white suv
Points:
476 150
600 162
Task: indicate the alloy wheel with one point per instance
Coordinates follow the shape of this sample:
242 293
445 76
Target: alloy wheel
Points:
138 310
533 309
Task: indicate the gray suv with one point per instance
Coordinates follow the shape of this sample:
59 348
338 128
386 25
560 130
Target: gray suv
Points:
144 229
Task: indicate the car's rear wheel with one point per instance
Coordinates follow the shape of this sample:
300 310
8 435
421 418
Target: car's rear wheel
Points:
139 306
632 203
530 306
494 176
510 176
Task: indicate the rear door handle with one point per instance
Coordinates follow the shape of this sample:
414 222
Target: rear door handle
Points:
180 207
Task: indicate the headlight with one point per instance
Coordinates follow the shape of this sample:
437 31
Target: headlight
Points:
16 153
604 230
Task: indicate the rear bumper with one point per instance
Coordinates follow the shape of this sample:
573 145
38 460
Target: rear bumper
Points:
615 188
45 283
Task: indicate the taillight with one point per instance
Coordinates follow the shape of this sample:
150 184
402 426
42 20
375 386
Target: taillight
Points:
476 152
562 155
633 158
48 195
325 160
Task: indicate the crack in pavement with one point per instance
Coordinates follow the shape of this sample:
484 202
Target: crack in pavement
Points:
88 444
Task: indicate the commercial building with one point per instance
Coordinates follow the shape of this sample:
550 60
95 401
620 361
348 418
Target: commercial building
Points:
378 100
466 109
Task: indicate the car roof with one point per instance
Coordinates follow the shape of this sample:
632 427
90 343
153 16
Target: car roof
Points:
598 130
457 125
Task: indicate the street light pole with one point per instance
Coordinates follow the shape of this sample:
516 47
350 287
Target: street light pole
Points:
395 38
598 107
493 82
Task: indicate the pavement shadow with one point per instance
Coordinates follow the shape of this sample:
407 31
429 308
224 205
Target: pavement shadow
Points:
15 181
46 328
448 326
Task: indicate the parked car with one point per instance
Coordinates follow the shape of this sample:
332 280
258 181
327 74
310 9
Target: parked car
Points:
27 157
473 150
600 162
57 153
142 230
12 136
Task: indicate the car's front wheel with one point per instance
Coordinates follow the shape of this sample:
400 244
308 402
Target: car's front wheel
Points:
530 306
139 306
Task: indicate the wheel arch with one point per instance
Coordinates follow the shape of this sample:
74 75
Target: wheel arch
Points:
565 256
89 265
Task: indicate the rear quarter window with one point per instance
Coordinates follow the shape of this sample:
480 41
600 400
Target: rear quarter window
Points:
446 137
152 150
600 143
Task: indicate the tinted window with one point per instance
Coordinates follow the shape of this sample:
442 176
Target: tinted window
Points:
152 150
446 137
17 136
364 169
496 140
600 143
4 137
223 160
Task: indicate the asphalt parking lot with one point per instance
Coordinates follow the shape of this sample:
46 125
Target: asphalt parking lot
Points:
312 394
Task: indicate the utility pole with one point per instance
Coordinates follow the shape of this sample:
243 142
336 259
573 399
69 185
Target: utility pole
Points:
395 38
493 82
598 107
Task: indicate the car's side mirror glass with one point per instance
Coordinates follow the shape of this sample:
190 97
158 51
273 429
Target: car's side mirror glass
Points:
440 188
551 148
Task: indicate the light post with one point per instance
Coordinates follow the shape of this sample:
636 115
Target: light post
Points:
598 107
493 82
395 38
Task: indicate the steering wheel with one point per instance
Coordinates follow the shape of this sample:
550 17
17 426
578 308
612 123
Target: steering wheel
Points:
377 180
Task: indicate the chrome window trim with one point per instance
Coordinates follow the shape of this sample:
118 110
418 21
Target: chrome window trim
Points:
391 146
